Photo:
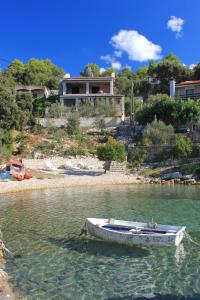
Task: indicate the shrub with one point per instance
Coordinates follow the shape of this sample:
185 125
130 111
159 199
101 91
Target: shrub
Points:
20 138
60 134
196 150
39 106
55 110
73 123
163 155
127 107
21 148
100 123
5 153
182 148
46 147
86 109
158 132
112 150
137 156
75 150
105 108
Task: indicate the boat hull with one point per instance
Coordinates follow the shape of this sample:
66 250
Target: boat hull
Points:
95 228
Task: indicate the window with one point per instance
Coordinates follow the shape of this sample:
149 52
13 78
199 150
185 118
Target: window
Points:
95 89
190 93
75 90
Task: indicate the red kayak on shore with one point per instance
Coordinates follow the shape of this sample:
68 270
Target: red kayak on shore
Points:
18 171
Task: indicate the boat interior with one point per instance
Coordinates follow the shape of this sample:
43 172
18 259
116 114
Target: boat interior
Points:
136 230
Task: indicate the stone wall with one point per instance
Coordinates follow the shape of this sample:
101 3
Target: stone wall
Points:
84 122
59 161
152 151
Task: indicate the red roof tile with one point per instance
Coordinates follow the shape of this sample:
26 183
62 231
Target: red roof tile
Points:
189 82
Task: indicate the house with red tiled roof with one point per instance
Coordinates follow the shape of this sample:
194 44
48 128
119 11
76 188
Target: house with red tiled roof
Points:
188 89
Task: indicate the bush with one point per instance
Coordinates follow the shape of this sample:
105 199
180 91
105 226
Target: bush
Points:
182 148
169 110
100 123
86 109
163 155
21 148
105 108
48 148
6 146
112 150
73 123
196 150
75 150
55 110
158 132
39 106
20 138
137 156
5 153
60 134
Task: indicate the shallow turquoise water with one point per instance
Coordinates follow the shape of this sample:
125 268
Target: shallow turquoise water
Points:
57 264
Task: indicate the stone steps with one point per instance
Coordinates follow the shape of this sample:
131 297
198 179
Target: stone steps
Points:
117 167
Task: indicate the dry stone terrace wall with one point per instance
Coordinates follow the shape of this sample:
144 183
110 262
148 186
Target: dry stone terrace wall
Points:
84 122
60 161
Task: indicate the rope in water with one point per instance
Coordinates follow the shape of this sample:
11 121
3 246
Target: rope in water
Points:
6 251
190 239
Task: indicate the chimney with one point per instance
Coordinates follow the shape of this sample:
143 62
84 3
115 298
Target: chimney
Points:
172 88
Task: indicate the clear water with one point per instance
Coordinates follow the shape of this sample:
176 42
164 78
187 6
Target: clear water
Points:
58 264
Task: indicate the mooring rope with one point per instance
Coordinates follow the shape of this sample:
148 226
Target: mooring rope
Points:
83 230
187 235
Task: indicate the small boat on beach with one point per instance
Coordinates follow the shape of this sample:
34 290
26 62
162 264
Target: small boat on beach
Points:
135 233
18 170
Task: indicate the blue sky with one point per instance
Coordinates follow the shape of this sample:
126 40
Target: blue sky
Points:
106 32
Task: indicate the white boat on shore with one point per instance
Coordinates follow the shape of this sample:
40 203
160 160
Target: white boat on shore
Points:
135 233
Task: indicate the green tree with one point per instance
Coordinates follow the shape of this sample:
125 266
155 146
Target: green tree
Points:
17 71
123 82
6 148
158 132
8 108
39 106
93 67
36 72
182 148
169 110
170 67
196 71
108 72
112 150
137 156
24 102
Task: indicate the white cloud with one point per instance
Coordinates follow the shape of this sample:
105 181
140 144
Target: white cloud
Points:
107 58
176 25
192 66
118 53
101 70
116 65
137 46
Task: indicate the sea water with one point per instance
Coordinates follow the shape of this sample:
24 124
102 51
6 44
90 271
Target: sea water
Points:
57 263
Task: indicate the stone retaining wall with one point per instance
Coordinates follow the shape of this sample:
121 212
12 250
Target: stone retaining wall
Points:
59 161
84 122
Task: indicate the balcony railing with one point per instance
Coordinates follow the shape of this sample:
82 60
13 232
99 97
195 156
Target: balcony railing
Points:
188 96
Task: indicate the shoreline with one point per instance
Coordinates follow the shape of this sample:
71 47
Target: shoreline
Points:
67 181
57 181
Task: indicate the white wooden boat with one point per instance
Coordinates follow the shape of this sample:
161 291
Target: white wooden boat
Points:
135 233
